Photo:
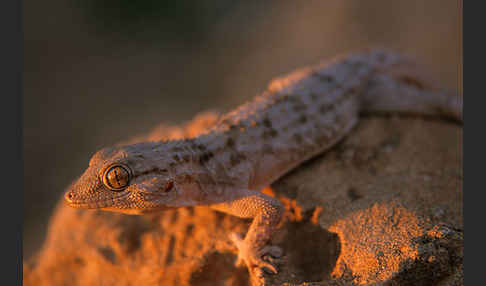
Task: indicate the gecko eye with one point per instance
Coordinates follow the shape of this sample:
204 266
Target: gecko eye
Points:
116 177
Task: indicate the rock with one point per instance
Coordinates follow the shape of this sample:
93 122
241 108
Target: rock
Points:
384 207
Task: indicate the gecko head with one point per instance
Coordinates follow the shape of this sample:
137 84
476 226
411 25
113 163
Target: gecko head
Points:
126 179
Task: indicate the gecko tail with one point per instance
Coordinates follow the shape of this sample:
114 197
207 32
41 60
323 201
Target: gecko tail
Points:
407 89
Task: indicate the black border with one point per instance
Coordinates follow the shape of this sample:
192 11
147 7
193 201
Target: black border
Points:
475 142
11 210
474 139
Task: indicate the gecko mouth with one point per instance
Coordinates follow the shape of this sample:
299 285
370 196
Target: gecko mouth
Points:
92 204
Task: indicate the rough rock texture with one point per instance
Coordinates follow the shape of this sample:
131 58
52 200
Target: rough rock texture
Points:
384 207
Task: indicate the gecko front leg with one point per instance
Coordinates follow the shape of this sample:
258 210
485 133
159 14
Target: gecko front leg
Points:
266 212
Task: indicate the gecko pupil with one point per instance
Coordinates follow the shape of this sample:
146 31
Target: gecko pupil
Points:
116 177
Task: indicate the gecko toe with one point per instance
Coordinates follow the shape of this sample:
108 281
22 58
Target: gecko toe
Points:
269 268
236 238
273 251
258 272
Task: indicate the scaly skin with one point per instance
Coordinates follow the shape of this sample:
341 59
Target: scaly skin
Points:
298 117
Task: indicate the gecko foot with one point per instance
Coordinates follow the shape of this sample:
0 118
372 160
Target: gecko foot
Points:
257 260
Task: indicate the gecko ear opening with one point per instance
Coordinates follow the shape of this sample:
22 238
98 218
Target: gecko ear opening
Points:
168 186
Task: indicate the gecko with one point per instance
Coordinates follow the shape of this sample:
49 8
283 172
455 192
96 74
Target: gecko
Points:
296 118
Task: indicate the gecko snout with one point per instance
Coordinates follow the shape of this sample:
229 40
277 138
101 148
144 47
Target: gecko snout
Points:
71 199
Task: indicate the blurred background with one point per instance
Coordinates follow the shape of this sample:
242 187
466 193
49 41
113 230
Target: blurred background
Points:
97 72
